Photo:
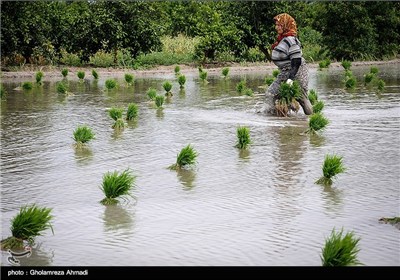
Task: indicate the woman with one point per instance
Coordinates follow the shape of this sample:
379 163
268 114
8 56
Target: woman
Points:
287 55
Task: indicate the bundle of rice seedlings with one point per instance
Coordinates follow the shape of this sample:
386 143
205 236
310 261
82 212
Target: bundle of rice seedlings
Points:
181 81
225 72
29 223
381 84
240 87
27 85
177 69
318 106
340 250
351 82
332 166
346 64
275 73
248 92
129 79
186 157
132 111
312 96
61 87
159 101
152 93
317 122
81 75
64 72
116 115
368 78
82 135
39 77
243 137
203 75
117 185
110 84
287 95
269 80
95 74
167 87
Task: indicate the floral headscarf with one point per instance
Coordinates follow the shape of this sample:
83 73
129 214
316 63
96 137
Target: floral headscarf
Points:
289 27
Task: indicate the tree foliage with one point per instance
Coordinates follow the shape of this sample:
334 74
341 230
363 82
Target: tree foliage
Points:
38 31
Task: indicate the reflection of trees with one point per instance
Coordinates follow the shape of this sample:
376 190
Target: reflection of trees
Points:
39 257
187 177
116 218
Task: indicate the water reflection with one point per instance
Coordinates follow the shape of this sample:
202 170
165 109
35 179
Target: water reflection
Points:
333 199
83 153
160 113
186 177
317 140
39 257
117 218
244 154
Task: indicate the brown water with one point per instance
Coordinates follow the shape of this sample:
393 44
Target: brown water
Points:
257 207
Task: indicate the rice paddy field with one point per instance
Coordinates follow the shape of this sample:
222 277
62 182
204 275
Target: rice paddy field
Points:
257 206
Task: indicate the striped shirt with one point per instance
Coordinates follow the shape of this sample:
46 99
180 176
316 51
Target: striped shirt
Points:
287 49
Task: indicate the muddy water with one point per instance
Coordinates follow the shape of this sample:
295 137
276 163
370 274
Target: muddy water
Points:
255 207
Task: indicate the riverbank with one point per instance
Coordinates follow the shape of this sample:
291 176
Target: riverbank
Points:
29 71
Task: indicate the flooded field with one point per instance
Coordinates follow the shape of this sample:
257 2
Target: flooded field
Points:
254 207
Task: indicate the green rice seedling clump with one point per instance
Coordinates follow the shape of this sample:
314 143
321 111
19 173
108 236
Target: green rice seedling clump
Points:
203 75
117 185
110 84
287 98
83 134
318 106
248 92
374 70
243 137
167 85
159 101
186 157
152 93
350 82
27 85
333 165
317 122
132 111
81 75
240 87
95 74
346 64
177 69
269 80
115 113
340 249
381 84
181 81
275 73
61 87
312 96
29 223
129 78
64 72
225 72
118 124
39 77
368 78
